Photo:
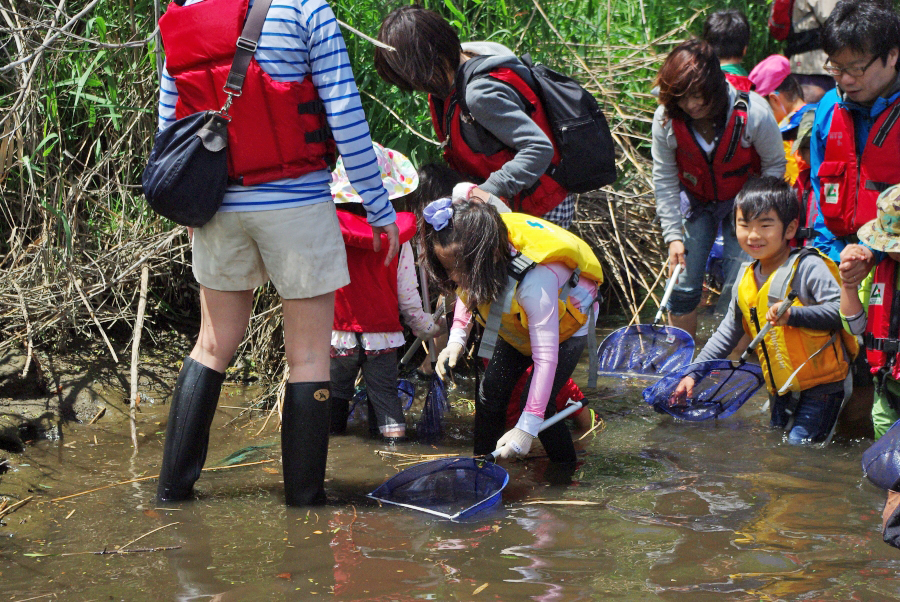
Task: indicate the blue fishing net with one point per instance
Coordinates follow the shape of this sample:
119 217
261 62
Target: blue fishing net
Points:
452 488
645 349
406 391
430 427
720 388
881 461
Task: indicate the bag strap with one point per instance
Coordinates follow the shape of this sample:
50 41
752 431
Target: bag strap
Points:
243 54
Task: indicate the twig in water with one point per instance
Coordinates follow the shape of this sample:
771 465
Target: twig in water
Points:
122 548
14 507
135 353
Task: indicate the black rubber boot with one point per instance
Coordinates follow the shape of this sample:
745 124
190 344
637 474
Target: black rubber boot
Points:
187 434
340 412
304 442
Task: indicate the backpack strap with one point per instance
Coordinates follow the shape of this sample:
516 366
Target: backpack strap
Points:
519 266
740 122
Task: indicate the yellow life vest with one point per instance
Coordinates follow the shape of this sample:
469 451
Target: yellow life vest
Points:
540 242
820 355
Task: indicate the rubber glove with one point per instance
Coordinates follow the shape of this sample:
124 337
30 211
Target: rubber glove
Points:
447 358
516 443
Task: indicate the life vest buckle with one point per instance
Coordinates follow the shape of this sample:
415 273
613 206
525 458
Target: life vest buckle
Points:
888 346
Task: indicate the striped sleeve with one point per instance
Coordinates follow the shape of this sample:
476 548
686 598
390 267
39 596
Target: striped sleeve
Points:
168 96
333 78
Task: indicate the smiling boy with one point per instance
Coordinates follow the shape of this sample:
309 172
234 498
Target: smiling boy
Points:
804 360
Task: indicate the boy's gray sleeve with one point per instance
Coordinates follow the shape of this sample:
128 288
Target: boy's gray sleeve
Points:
820 295
726 337
498 108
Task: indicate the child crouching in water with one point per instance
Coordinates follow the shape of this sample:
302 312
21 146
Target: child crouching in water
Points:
880 329
367 329
514 274
805 357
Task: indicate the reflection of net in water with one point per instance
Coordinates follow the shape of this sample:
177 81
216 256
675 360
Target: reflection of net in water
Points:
645 349
720 388
453 488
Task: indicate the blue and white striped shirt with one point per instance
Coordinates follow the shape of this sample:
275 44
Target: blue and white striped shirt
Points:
302 37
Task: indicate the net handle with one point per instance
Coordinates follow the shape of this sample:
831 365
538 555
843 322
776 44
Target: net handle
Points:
669 287
786 305
571 408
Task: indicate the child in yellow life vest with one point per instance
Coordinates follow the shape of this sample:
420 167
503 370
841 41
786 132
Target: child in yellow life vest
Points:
805 358
876 316
533 285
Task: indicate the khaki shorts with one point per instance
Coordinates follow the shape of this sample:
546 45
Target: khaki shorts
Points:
300 249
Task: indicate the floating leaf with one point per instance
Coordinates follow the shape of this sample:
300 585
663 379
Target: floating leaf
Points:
480 589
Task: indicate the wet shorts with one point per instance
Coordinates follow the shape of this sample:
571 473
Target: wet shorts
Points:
299 249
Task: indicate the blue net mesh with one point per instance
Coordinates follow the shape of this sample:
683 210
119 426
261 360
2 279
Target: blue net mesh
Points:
430 427
406 391
453 488
720 388
645 349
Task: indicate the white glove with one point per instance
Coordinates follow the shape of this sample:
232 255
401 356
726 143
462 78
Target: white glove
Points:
447 358
437 328
516 443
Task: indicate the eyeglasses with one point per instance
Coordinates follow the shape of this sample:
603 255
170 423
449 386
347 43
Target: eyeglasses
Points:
851 71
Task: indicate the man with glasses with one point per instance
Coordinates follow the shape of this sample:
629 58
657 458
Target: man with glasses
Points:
855 148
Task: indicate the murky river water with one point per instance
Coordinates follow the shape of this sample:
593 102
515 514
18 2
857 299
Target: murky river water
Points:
678 511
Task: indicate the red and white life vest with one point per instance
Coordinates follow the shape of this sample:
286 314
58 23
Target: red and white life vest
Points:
882 336
720 177
850 181
464 153
369 303
741 83
808 212
278 129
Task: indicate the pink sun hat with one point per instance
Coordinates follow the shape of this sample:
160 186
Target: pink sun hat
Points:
769 74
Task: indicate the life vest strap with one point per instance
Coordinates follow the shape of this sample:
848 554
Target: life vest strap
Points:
886 127
313 107
886 345
495 316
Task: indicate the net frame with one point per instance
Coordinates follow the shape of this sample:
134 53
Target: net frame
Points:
721 387
491 477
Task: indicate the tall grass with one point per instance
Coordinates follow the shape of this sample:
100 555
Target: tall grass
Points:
77 116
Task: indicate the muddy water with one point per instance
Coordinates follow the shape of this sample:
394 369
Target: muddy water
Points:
678 511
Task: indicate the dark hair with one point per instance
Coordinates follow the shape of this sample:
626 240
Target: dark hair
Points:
482 246
790 88
863 26
728 32
436 180
426 51
692 68
760 195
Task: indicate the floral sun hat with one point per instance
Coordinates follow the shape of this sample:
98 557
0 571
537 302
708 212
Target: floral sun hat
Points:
883 232
397 173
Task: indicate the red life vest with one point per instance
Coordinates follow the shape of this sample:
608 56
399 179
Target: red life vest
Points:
882 336
278 129
740 82
369 303
850 181
721 177
463 153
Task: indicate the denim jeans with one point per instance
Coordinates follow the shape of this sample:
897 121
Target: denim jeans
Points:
815 413
700 230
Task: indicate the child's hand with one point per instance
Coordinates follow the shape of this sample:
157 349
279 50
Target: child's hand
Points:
772 315
393 240
856 262
684 390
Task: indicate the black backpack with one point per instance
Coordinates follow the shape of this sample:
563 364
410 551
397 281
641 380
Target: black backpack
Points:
580 132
